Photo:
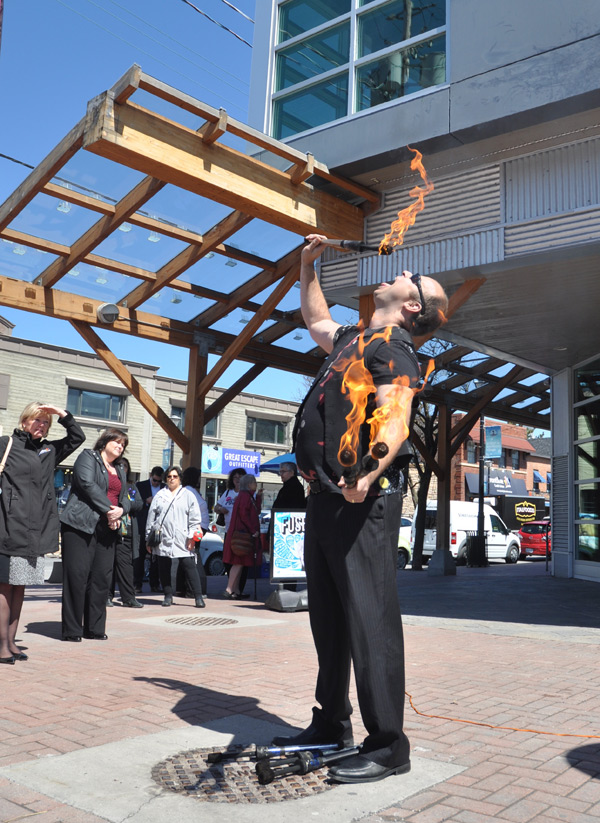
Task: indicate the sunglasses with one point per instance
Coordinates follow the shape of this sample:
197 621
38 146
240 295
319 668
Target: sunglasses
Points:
172 477
416 279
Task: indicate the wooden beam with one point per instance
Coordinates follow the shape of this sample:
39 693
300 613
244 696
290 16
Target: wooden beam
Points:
366 307
129 381
232 392
42 173
249 289
186 258
212 130
455 301
242 339
461 430
127 84
156 146
302 171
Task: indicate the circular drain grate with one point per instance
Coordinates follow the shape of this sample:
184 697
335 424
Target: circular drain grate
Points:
202 621
232 781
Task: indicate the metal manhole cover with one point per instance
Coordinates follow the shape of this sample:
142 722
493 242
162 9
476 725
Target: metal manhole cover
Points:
202 621
232 781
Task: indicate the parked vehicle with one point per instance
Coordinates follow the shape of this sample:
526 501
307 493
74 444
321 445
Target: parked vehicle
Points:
211 553
501 543
516 510
535 537
404 553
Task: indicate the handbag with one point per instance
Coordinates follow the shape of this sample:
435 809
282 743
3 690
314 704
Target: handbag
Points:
155 533
242 544
220 520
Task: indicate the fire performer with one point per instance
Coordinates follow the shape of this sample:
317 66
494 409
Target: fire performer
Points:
351 538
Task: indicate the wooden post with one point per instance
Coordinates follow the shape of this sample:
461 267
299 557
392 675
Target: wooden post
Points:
194 406
442 562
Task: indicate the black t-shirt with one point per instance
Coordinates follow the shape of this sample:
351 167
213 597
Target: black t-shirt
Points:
386 361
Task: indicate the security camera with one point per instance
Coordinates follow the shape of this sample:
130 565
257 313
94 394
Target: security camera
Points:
107 313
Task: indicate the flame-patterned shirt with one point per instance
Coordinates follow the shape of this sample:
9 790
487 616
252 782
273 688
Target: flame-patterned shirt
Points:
321 419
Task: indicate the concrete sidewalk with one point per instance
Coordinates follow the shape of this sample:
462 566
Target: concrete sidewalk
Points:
82 726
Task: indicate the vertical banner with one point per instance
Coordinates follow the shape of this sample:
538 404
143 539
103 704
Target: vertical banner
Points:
493 442
287 546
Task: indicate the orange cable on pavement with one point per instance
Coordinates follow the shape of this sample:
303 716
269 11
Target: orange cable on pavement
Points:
490 726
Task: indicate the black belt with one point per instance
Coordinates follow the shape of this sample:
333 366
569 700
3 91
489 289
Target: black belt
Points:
316 487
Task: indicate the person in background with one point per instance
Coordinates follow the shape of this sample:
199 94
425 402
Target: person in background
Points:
175 512
90 528
191 481
224 506
147 489
127 549
244 518
28 512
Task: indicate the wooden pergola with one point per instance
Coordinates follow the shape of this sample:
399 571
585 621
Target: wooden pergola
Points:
294 193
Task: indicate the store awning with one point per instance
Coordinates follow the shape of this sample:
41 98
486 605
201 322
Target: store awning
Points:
548 477
499 484
537 477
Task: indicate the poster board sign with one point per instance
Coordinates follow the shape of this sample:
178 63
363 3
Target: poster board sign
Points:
287 546
493 442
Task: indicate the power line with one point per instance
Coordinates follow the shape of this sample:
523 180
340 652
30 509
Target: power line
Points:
235 8
179 43
216 22
143 51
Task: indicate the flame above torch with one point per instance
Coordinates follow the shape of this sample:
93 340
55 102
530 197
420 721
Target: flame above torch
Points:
407 217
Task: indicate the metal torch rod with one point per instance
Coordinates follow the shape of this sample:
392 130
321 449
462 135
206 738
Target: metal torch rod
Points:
353 245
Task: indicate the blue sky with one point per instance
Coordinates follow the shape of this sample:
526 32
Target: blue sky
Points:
58 54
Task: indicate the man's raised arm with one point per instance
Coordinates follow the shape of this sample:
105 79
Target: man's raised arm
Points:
315 311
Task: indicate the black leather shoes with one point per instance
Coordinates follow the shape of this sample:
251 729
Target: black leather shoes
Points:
311 736
92 636
21 656
72 638
200 604
133 604
359 769
10 660
168 601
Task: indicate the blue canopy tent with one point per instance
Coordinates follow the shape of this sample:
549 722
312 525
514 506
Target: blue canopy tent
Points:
274 464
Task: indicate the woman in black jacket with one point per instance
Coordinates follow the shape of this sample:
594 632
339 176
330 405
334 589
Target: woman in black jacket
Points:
90 523
28 511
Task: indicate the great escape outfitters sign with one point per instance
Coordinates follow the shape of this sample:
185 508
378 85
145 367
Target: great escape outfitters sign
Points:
220 460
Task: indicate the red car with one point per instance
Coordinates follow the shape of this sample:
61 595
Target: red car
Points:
533 538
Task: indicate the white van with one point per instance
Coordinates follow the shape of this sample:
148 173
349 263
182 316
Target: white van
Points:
501 543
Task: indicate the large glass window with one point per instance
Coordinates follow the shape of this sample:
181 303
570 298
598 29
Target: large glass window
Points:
399 48
315 55
263 430
310 107
587 460
178 417
99 405
298 16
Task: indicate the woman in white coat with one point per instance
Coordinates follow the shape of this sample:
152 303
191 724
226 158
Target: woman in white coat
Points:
174 510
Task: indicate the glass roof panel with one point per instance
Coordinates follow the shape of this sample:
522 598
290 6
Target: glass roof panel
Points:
220 273
185 209
22 262
265 240
98 177
236 321
140 247
299 340
54 219
98 283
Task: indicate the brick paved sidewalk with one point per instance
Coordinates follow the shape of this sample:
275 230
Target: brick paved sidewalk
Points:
505 646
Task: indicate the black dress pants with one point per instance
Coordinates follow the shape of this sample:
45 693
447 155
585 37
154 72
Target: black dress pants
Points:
87 571
350 557
139 564
123 570
167 567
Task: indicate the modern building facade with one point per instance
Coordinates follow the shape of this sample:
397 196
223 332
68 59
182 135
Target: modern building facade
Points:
503 101
249 431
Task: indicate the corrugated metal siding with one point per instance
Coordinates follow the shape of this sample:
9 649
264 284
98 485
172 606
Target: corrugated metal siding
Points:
560 505
457 204
556 232
474 249
553 181
340 274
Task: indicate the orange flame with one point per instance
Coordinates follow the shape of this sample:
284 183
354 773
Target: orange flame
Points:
407 216
388 422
